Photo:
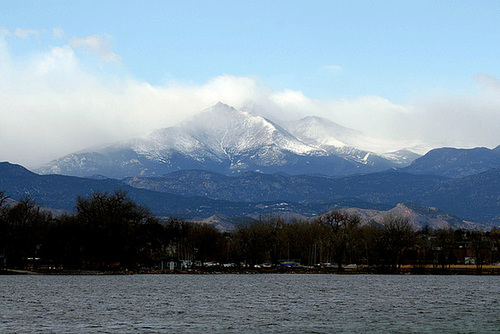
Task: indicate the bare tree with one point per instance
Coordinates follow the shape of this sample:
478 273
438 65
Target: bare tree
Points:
481 246
445 242
3 198
342 227
111 222
257 240
399 236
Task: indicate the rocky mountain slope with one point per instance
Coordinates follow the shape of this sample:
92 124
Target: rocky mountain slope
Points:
419 216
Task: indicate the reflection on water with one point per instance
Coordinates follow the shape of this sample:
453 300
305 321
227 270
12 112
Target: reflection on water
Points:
249 304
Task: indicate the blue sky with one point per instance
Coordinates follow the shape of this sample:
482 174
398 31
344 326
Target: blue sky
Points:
355 62
327 49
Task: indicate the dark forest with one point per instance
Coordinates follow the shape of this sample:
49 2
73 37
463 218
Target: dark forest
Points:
111 233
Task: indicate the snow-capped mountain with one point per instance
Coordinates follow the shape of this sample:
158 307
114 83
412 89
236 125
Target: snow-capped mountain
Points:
226 140
223 133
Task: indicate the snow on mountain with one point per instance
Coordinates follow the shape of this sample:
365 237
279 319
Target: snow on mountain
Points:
347 143
222 132
322 132
224 139
401 157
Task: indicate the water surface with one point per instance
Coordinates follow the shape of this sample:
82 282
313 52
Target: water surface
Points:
271 303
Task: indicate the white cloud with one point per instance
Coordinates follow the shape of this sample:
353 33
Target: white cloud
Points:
58 33
487 81
4 31
26 33
99 44
4 54
332 68
462 121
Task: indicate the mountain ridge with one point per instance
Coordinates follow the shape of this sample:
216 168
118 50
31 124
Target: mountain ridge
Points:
471 197
474 198
456 162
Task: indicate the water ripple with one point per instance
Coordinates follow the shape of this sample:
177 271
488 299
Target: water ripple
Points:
249 304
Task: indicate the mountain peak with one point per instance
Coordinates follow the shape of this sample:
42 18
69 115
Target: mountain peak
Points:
315 119
219 106
220 113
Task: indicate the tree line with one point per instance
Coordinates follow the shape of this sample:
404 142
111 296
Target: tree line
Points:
111 232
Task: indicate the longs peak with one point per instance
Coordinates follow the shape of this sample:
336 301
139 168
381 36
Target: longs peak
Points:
227 140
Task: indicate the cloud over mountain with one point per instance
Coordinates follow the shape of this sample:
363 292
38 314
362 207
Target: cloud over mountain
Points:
60 99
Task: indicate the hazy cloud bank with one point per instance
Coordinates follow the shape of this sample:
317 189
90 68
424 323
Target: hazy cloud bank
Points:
55 102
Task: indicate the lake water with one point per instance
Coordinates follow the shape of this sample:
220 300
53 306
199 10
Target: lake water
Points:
265 303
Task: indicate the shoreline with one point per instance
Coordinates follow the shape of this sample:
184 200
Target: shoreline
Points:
487 270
